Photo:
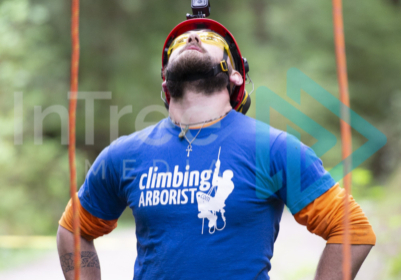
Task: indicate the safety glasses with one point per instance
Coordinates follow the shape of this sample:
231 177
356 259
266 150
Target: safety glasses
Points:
207 37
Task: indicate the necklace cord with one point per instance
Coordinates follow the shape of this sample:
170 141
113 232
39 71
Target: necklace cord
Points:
197 123
184 132
193 139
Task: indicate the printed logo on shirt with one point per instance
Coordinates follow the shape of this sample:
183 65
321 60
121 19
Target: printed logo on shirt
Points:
210 196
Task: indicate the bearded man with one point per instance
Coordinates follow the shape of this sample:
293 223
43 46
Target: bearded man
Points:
207 185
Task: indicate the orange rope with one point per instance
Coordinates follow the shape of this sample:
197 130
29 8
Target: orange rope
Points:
71 147
345 128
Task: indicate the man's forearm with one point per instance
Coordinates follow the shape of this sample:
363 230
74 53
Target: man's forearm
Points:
90 267
330 264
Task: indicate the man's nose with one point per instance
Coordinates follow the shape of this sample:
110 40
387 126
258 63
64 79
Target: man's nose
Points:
194 39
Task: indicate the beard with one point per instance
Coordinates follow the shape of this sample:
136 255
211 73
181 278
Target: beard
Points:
194 63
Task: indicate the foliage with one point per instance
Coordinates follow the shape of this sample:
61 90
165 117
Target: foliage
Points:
121 45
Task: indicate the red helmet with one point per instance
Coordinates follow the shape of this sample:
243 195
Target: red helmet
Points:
239 98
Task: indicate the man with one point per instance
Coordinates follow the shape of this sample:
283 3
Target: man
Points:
209 161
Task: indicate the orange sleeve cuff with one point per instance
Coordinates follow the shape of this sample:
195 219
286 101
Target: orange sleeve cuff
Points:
91 226
324 217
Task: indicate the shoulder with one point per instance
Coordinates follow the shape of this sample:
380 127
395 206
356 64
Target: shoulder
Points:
131 145
262 132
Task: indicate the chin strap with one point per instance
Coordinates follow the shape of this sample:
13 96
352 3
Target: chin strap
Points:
225 57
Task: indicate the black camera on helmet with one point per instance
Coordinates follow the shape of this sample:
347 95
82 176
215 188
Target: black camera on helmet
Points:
200 9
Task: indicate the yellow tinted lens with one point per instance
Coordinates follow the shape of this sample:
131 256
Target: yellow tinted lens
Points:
179 41
206 37
213 39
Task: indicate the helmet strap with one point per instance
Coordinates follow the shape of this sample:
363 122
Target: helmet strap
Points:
225 58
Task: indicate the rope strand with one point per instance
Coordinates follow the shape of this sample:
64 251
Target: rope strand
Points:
346 137
71 147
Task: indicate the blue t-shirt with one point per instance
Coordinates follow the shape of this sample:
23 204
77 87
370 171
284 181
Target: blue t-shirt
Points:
209 213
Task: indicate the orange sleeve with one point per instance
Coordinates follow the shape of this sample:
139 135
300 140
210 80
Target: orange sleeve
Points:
324 217
91 226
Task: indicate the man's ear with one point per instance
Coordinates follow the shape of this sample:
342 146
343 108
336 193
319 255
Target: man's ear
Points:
164 86
236 78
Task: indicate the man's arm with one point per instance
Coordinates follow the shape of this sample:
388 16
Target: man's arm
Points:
324 217
90 267
91 228
100 203
330 264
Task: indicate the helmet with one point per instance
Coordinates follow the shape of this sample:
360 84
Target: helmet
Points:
239 97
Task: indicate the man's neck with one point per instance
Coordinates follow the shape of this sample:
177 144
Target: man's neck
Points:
196 107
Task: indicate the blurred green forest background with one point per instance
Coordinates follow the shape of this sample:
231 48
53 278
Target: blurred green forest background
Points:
121 45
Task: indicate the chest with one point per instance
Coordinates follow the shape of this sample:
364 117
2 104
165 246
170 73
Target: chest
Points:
208 190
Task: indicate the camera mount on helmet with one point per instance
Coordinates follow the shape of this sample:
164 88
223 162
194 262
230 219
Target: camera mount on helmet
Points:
200 9
239 97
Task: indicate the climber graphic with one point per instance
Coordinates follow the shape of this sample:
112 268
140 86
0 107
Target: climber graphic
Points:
209 206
